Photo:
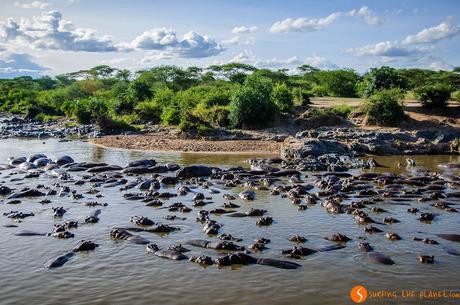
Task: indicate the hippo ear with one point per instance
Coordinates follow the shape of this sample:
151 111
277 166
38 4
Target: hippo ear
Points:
278 263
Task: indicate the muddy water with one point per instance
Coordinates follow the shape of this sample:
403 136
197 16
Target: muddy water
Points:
119 272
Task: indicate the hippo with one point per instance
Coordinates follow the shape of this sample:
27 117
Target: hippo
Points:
142 221
219 245
338 237
83 245
245 259
64 160
247 195
26 193
4 190
426 259
194 171
25 166
202 260
104 168
120 233
17 161
170 254
36 157
41 162
142 162
450 237
297 239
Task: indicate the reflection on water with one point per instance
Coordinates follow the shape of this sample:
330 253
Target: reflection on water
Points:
123 273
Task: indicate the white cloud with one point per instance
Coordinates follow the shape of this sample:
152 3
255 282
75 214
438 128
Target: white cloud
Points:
440 65
387 49
238 40
320 62
443 30
17 64
190 45
157 57
50 32
367 15
115 61
303 24
244 29
290 63
32 5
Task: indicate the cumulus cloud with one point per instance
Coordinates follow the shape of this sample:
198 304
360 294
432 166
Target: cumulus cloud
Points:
157 57
320 62
303 24
34 5
238 40
387 49
244 29
18 64
50 32
367 15
442 31
290 63
190 45
440 65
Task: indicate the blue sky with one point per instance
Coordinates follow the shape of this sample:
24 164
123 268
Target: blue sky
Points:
58 36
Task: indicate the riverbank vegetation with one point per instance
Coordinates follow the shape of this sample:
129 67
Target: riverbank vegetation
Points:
231 95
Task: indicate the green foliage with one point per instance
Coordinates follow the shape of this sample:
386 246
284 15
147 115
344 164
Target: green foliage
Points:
338 82
456 95
339 110
385 106
232 94
380 79
432 96
282 97
301 96
251 106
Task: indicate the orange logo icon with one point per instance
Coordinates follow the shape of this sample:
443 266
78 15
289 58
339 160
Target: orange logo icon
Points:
358 294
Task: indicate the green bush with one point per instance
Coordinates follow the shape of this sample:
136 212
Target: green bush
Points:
341 110
148 110
433 96
170 115
319 91
385 107
456 95
301 96
250 105
380 79
281 96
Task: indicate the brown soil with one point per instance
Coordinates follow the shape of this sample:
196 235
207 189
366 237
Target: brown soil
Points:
160 138
160 143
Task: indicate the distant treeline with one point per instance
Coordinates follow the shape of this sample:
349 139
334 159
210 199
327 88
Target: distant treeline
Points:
230 95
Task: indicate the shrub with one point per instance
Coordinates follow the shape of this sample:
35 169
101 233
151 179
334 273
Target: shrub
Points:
456 95
170 115
301 96
318 90
380 79
432 96
148 110
385 107
341 110
281 96
250 105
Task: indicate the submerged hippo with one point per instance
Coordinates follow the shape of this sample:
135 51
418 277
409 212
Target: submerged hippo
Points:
247 195
119 233
375 256
245 259
194 171
218 245
83 245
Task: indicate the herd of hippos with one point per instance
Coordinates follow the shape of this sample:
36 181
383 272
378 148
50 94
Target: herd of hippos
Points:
144 180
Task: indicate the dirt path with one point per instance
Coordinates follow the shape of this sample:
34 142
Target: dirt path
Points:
160 143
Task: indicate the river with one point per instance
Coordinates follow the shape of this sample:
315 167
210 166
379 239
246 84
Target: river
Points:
120 272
